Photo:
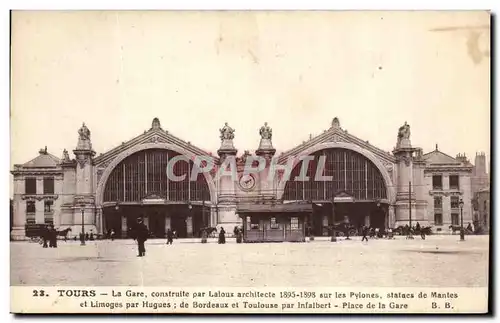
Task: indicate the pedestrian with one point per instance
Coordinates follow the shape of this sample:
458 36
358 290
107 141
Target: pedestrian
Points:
52 237
141 235
45 236
170 236
112 235
365 232
222 236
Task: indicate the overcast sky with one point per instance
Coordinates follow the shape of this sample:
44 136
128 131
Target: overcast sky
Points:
116 71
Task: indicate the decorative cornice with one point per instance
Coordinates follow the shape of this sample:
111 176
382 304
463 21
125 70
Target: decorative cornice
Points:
39 197
446 193
40 171
440 169
83 199
336 134
151 136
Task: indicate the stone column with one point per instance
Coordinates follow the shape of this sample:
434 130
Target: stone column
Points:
266 151
226 185
124 226
404 158
367 220
39 204
168 224
18 231
189 226
99 221
392 217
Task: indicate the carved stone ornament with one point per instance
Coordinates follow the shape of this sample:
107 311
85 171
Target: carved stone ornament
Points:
389 167
406 159
336 138
82 161
155 139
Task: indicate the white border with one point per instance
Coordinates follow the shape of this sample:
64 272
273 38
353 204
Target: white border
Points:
191 5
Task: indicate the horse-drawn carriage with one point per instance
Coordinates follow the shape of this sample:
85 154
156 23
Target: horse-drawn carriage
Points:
36 231
405 230
342 229
457 228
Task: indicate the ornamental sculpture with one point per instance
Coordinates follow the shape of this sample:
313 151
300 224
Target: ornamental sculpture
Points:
226 133
84 132
65 156
266 132
404 132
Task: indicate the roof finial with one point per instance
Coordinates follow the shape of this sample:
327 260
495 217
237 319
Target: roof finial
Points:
335 123
436 147
155 124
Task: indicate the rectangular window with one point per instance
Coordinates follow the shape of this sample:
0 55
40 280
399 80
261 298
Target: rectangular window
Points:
48 206
30 185
294 223
454 182
454 202
30 219
274 224
255 223
48 185
438 202
437 182
454 219
438 219
30 207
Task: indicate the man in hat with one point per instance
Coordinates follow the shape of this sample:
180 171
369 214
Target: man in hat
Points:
141 235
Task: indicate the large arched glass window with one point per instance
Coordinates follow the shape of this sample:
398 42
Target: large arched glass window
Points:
351 172
144 174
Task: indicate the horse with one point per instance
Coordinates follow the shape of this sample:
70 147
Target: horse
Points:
63 233
455 228
211 231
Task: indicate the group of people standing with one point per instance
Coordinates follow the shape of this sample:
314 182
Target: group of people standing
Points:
49 235
140 233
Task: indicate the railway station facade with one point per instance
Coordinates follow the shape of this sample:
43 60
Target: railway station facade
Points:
331 178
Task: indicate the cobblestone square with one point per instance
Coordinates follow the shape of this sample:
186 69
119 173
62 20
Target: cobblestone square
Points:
437 261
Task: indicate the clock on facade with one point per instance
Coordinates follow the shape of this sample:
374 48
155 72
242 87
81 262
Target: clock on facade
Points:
247 182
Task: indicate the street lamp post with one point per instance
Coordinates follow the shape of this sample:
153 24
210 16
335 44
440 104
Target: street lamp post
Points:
83 226
462 233
333 238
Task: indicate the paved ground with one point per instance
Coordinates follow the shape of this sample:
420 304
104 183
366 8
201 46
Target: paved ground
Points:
437 261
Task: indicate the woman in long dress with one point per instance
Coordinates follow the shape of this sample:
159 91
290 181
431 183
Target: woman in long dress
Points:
222 236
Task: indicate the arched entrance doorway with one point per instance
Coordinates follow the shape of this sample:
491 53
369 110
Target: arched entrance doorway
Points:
137 185
355 192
